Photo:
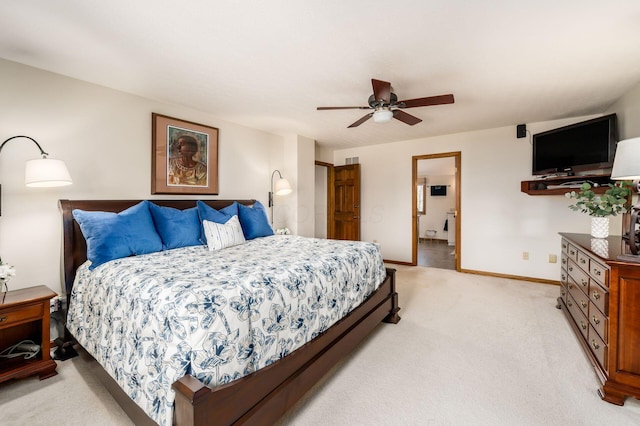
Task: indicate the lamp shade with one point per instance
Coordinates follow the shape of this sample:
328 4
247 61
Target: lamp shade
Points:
626 165
382 116
282 187
45 172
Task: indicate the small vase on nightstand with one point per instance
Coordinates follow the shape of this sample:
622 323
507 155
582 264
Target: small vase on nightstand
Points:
599 227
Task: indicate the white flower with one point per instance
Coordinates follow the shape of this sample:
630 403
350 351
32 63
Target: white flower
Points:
6 271
283 231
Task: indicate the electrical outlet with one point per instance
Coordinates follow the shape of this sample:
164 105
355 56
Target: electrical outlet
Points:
525 255
553 258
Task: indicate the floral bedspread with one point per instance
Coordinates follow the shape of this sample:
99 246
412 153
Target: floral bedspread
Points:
218 316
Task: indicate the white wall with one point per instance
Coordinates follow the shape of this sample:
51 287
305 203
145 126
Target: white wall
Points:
628 110
498 222
104 136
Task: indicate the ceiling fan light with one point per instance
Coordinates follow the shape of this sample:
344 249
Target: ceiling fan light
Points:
382 116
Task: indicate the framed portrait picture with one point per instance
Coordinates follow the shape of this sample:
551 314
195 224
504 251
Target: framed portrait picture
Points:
184 158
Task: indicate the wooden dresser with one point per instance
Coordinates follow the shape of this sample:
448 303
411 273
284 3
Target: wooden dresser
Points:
600 297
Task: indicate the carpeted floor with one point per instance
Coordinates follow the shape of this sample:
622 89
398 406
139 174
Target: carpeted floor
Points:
470 350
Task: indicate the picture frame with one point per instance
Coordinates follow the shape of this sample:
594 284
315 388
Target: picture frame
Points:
184 157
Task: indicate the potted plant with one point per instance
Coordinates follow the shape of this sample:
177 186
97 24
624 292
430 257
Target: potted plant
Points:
600 207
6 272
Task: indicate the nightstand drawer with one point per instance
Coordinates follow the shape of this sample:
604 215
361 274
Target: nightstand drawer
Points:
23 314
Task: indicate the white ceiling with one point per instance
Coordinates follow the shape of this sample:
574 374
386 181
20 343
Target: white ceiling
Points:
269 64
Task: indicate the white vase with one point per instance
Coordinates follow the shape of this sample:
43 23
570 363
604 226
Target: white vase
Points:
599 227
600 246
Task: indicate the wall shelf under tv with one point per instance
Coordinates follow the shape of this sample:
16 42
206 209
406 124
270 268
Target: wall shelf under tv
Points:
561 185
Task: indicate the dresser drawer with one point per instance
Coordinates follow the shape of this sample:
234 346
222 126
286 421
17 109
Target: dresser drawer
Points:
578 316
599 297
581 299
583 260
564 291
598 348
599 322
11 317
564 259
599 273
572 251
564 277
578 275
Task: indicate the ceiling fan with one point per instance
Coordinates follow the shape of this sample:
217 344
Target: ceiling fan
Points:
385 105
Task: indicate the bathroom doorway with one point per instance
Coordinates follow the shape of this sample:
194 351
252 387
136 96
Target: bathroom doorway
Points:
436 210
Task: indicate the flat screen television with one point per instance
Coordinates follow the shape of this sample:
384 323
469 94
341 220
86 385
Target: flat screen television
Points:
438 190
586 146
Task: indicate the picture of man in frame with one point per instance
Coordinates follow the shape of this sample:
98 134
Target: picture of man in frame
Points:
187 154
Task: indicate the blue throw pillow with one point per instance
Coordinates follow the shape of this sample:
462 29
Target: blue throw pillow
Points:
177 228
254 221
206 212
112 236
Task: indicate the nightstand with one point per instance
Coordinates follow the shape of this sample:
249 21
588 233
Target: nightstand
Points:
24 315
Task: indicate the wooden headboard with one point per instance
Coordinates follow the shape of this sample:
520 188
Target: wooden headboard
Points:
74 251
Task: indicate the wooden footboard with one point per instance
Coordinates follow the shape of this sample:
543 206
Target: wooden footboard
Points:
264 396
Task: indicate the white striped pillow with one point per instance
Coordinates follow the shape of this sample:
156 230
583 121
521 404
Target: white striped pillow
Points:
224 235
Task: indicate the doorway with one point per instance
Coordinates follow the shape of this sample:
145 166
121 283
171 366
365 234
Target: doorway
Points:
436 210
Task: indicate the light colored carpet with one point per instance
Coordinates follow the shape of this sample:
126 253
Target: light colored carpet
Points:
470 350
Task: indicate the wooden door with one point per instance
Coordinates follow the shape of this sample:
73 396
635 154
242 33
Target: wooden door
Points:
346 202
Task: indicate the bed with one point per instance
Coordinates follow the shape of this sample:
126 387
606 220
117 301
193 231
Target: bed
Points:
258 397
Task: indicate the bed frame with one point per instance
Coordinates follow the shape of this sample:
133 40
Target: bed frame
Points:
261 397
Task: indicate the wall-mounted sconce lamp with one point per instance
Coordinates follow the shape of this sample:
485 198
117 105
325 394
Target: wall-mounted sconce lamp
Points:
626 166
43 172
282 187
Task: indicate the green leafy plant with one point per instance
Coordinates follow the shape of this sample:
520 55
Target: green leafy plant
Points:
613 202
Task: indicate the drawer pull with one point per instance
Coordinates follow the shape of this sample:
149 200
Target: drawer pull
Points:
3 319
583 325
583 282
570 286
597 272
572 252
569 303
583 261
562 292
563 277
584 304
571 268
595 345
595 320
596 295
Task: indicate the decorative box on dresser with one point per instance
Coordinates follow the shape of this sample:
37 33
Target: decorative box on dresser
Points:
600 297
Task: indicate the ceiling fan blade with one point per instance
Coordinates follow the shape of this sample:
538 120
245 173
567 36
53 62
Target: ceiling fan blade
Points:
362 120
381 90
431 100
405 118
349 107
